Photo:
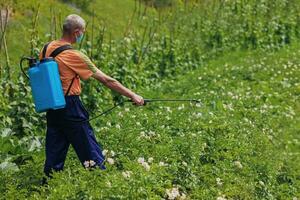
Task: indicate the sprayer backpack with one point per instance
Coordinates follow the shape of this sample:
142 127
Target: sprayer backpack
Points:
45 81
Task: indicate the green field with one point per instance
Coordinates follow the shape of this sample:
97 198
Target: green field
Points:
242 141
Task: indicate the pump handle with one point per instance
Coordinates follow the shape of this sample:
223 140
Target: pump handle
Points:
31 62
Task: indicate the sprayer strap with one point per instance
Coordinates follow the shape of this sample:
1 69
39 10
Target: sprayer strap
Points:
60 49
45 49
54 54
56 51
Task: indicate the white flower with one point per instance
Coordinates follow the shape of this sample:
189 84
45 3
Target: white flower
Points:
150 160
138 123
198 105
168 109
104 128
92 163
221 198
182 197
110 161
127 109
108 183
127 39
86 164
261 183
172 193
181 107
238 164
184 163
104 152
118 126
219 181
146 166
112 153
204 145
142 134
198 115
141 160
126 174
89 163
151 133
162 164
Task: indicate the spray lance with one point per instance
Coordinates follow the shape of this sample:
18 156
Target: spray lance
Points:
146 101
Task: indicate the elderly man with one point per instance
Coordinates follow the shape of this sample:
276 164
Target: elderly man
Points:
62 128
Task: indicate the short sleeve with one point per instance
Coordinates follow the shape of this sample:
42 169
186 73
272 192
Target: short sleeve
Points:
79 63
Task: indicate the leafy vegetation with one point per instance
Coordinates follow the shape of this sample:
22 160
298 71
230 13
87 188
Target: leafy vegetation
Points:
239 58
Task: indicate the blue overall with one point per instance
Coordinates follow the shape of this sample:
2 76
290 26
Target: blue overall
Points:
63 130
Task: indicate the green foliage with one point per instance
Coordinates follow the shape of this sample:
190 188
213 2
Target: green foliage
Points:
159 3
241 142
82 4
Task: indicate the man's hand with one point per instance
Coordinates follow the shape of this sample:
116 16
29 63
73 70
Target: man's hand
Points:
138 100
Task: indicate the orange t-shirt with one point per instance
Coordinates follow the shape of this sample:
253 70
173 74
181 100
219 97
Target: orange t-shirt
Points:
71 63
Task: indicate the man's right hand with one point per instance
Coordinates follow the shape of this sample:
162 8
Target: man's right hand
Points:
138 100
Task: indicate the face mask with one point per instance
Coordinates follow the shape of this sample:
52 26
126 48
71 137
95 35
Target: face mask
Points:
79 38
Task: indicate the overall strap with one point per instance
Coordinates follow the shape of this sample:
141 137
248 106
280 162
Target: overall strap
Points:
70 86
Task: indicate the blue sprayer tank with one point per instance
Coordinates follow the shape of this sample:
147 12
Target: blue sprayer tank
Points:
46 85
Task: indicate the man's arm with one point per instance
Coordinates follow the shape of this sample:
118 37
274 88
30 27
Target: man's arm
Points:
117 86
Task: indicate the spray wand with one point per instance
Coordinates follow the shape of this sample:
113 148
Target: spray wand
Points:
146 101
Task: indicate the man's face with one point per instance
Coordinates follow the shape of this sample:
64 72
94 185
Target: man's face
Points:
78 34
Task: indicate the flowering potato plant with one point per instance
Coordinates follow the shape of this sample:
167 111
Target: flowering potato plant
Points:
241 142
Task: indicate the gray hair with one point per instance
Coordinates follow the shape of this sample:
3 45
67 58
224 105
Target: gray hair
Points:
73 22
